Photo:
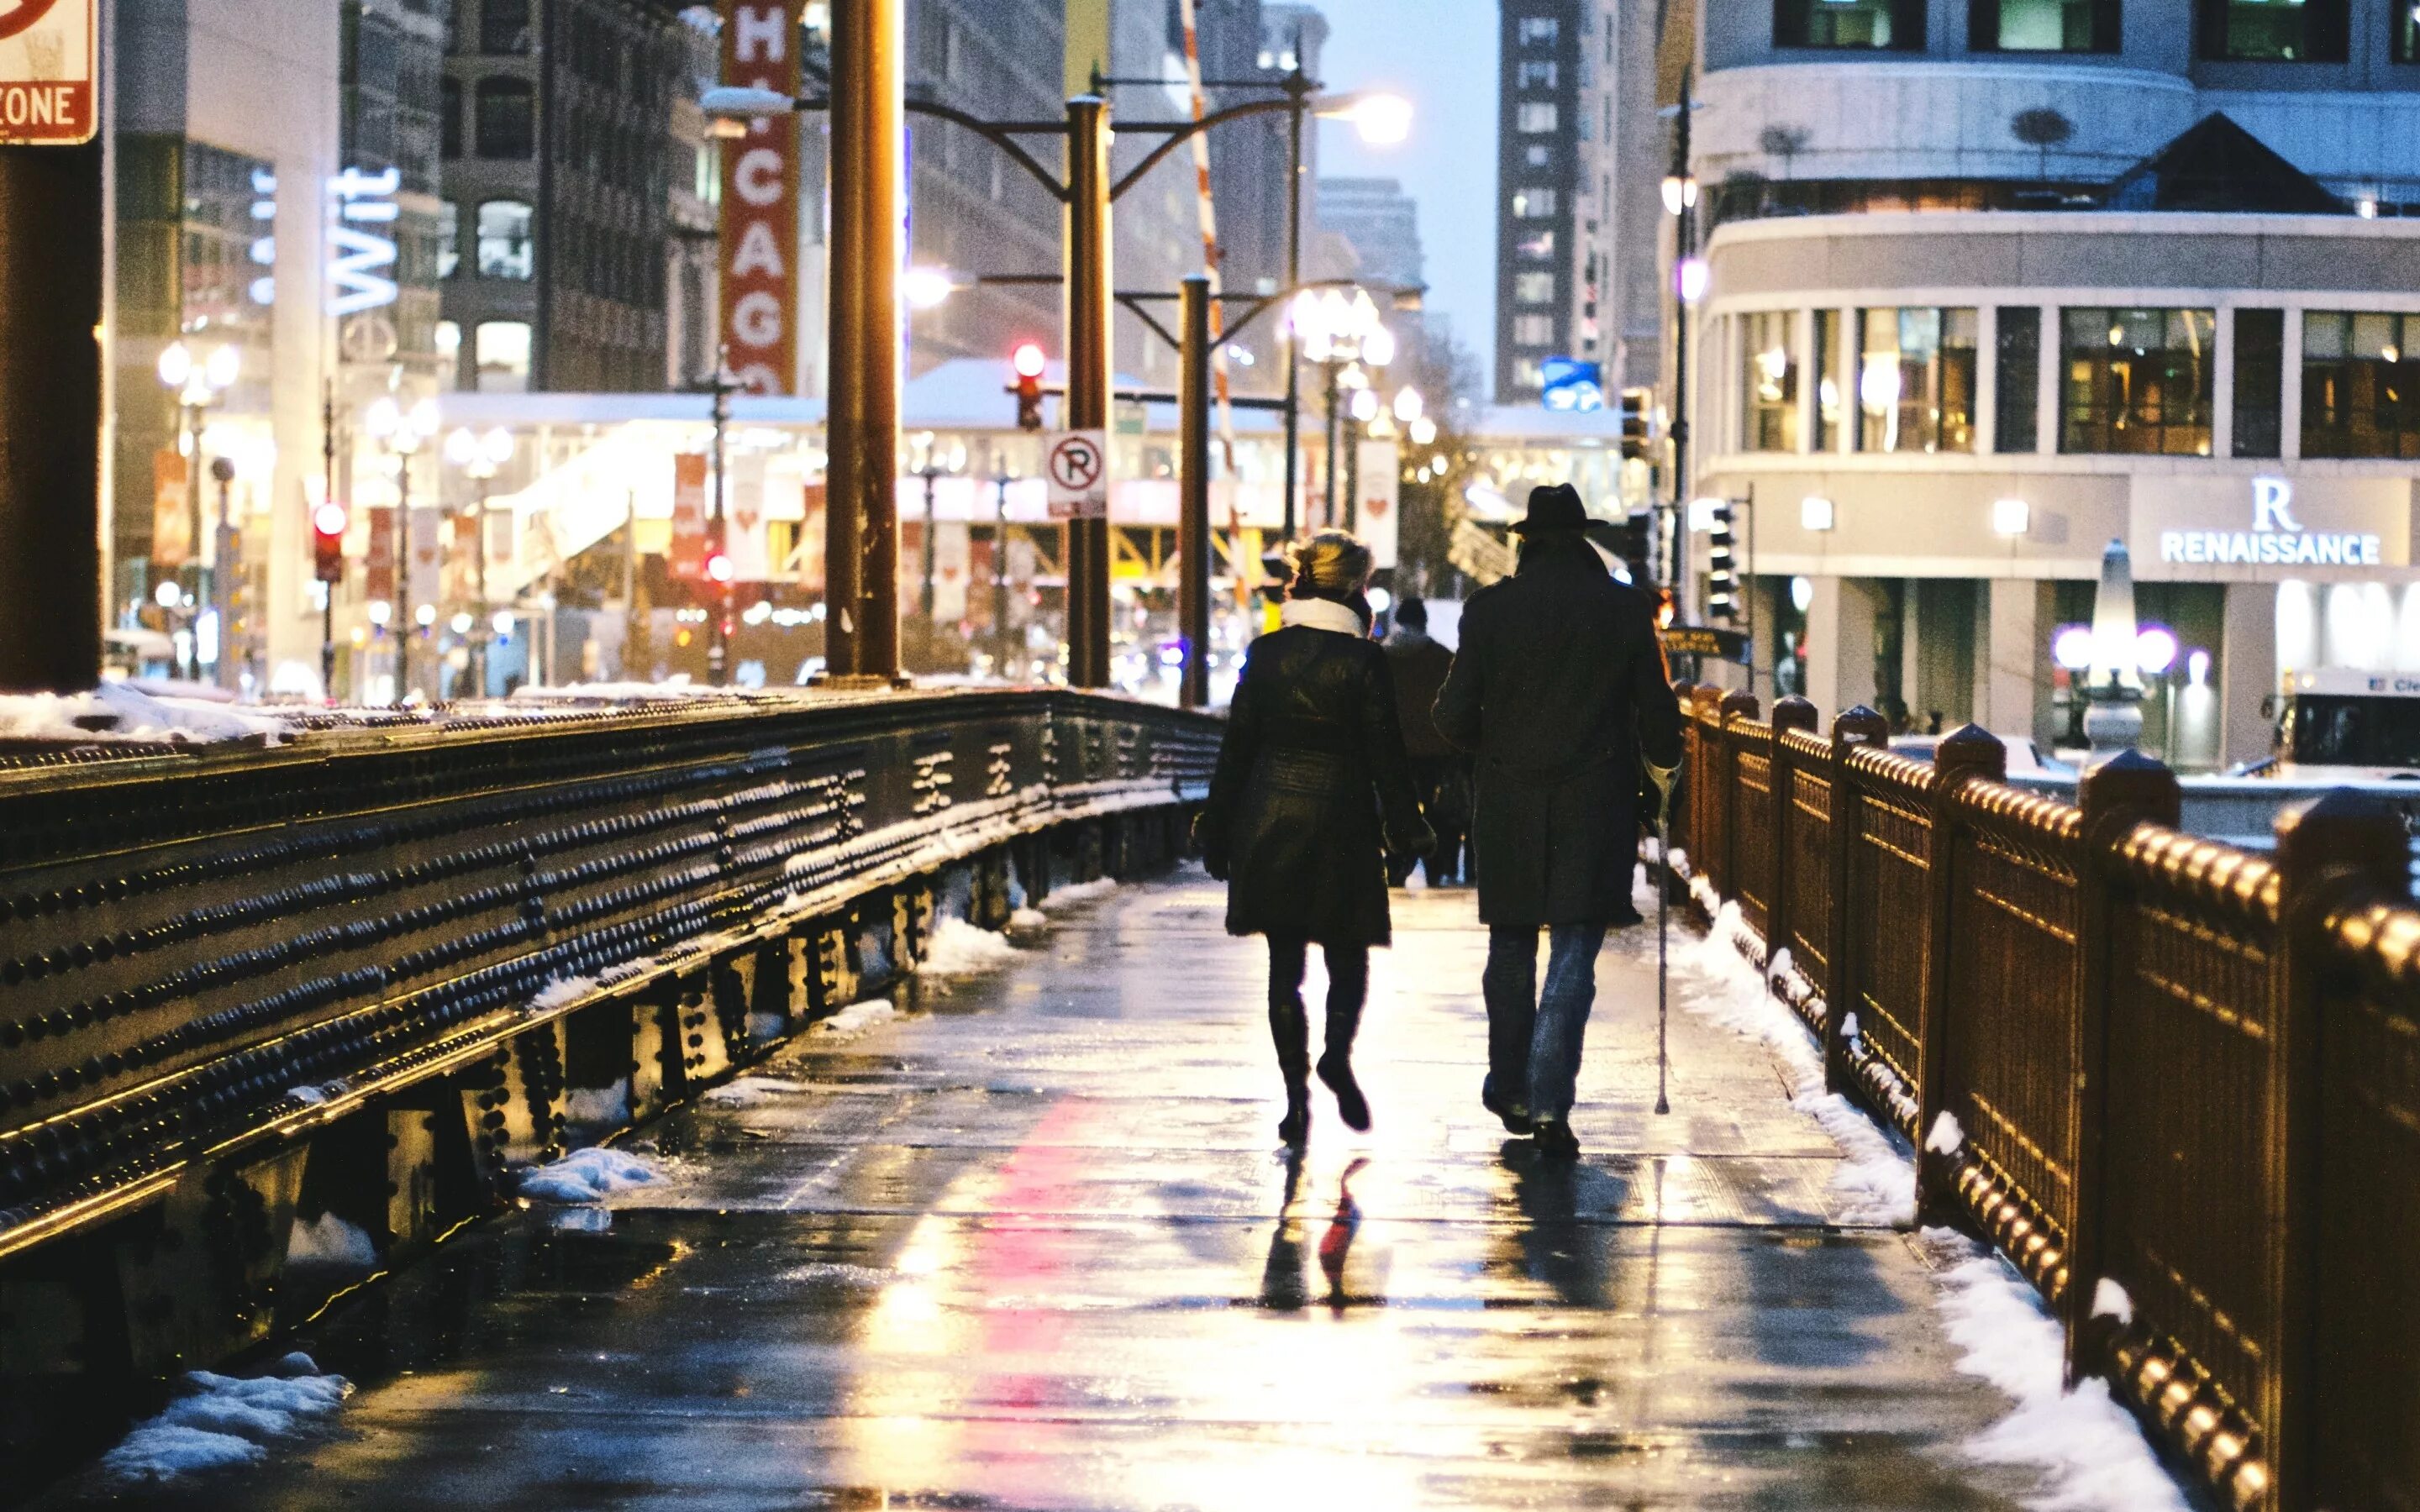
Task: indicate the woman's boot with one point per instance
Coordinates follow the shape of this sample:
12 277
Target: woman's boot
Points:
1336 1066
1290 1028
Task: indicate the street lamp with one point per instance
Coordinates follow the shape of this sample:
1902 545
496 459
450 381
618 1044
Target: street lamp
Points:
402 432
1343 334
198 385
479 458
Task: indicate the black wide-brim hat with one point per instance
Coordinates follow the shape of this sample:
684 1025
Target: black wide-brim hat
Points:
1554 507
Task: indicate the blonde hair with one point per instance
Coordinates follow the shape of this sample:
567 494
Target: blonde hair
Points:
1329 564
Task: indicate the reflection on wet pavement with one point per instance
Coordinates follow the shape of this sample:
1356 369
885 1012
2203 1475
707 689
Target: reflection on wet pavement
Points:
1032 1246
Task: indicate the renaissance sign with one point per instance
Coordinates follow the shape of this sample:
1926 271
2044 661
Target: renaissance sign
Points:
2200 528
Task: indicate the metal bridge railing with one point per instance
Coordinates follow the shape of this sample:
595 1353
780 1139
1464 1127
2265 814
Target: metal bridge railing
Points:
373 971
2177 1084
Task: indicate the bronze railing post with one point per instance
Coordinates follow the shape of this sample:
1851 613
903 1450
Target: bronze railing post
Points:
2128 789
1860 726
1968 752
1790 712
2341 843
1735 707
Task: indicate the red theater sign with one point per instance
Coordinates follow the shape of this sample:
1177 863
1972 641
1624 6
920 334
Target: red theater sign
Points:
48 54
760 200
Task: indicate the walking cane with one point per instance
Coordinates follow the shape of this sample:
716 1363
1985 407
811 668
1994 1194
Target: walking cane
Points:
1663 913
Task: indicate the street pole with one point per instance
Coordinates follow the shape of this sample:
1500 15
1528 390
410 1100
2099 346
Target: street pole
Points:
328 491
400 618
1089 297
717 644
225 550
929 475
1000 574
480 627
861 516
192 414
1682 238
1328 433
1352 445
1193 474
1298 88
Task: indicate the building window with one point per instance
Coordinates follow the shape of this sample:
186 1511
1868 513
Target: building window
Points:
1830 412
1915 380
2137 381
2407 34
507 127
448 342
1538 155
1535 118
2016 408
2259 382
449 238
2044 25
504 27
1771 370
1532 204
505 243
1537 247
2361 385
2273 31
1533 331
1535 74
449 118
1529 375
502 353
1895 25
1533 288
1539 31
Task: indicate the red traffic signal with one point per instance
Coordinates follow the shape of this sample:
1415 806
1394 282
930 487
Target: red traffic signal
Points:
1028 361
328 521
719 568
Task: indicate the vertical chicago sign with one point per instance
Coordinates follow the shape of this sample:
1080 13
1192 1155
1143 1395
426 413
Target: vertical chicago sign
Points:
759 244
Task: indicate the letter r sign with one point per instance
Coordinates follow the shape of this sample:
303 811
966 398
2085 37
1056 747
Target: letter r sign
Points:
2273 506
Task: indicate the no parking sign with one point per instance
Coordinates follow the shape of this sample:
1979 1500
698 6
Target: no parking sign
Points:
47 56
1077 467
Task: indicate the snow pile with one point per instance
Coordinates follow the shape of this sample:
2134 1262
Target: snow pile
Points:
588 1176
2092 1455
597 1105
1028 920
958 948
115 714
855 1019
748 1092
1711 978
329 1241
563 991
1079 893
219 1421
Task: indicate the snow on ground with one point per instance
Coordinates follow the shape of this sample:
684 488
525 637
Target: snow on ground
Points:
331 1242
750 1091
959 948
597 1105
1875 1183
218 1421
1079 893
2089 1448
115 714
589 1176
855 1019
1026 920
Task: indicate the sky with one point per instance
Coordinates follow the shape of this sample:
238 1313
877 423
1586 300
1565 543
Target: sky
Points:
1440 54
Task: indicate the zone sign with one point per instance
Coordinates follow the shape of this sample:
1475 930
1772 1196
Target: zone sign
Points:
49 56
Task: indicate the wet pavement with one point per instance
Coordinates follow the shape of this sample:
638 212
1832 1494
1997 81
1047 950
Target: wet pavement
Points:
1033 1245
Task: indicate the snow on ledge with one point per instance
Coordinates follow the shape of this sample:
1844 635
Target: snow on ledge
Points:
116 714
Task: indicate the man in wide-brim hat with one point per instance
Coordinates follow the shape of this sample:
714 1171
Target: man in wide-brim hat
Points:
1560 690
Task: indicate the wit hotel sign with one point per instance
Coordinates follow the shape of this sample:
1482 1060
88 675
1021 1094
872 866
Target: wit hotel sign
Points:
2277 537
2266 527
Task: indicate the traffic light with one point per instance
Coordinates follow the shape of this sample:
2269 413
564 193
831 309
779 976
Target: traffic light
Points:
1637 550
1029 362
1634 434
328 522
1722 571
719 568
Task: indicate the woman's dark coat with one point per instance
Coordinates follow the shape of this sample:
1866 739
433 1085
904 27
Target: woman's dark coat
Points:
1313 756
1558 687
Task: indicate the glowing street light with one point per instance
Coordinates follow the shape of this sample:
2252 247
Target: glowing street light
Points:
926 288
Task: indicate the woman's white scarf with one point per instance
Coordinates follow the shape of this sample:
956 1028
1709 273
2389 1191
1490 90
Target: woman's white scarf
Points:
1322 615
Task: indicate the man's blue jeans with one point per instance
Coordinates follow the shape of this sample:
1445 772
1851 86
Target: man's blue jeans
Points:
1533 1042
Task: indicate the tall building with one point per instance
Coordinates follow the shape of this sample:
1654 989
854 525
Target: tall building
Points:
1383 224
557 125
1993 285
1577 175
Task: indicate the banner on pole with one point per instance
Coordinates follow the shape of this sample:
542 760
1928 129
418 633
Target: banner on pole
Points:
172 525
1380 467
688 516
378 564
759 241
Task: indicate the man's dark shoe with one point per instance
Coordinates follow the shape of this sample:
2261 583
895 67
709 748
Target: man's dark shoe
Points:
1514 1117
1556 1140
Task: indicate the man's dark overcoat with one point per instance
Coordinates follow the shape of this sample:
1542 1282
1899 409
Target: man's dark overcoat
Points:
1312 781
1558 687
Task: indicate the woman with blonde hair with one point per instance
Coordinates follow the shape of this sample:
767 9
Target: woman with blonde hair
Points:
1312 789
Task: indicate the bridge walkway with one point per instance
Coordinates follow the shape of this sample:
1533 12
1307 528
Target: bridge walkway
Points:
1030 1244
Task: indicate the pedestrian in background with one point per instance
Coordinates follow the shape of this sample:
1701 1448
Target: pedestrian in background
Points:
1311 790
1561 691
1441 774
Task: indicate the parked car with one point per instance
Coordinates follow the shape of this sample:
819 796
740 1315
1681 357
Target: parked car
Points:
2025 756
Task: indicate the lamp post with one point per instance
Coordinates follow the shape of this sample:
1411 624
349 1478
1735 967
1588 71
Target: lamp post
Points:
866 167
1000 565
403 432
479 458
1680 191
198 386
1344 335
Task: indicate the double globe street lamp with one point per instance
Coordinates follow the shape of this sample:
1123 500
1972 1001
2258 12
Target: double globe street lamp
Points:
479 456
197 385
402 432
1344 335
